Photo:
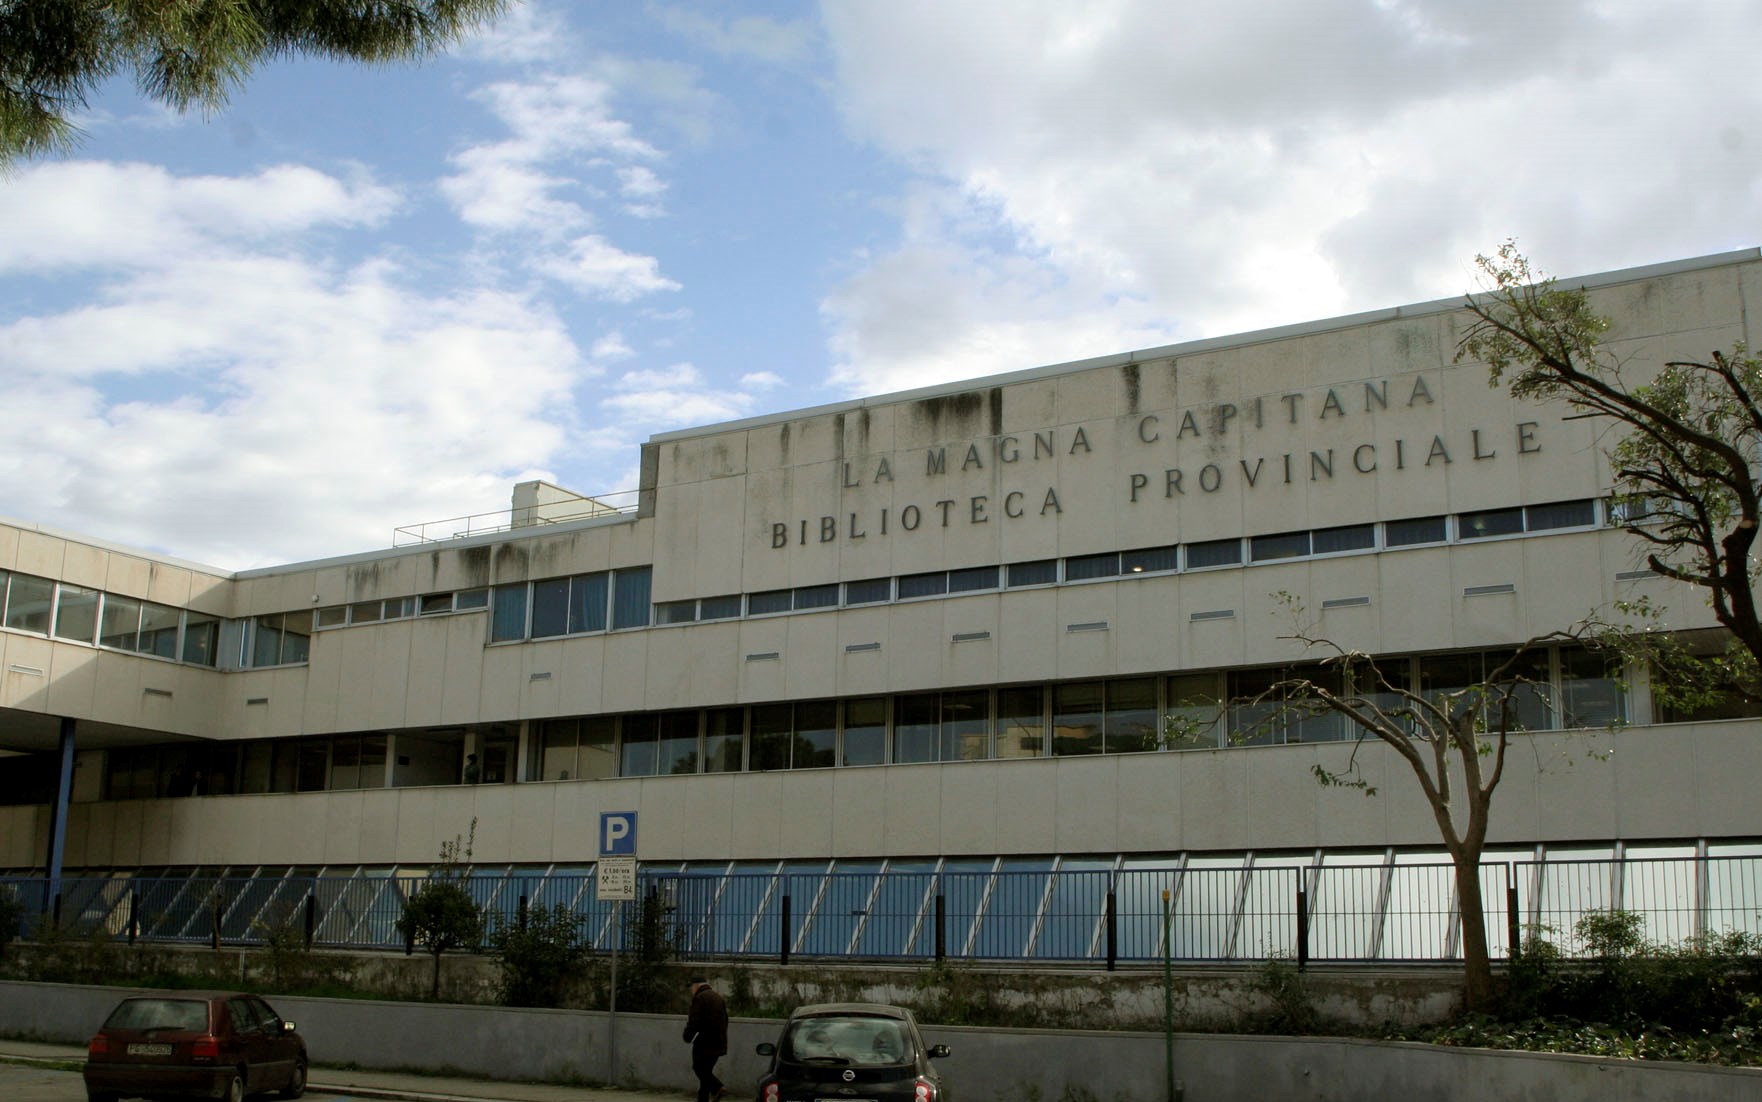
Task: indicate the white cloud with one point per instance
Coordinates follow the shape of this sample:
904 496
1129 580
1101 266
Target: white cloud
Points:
757 37
761 380
595 267
1095 176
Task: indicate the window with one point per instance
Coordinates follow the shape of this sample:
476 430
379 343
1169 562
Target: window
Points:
915 723
333 616
865 731
508 613
816 734
771 600
977 577
1356 537
771 735
724 739
676 612
1406 533
280 639
119 625
817 596
158 630
1148 560
719 608
1490 522
1286 545
630 597
1195 712
400 608
923 585
201 639
1080 567
367 612
639 746
1131 716
28 603
471 598
436 602
587 603
1078 712
550 608
966 726
676 749
1590 689
76 613
558 739
1021 722
1213 553
1561 514
1038 572
871 591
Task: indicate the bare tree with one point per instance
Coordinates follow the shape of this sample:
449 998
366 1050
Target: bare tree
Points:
1687 442
1454 739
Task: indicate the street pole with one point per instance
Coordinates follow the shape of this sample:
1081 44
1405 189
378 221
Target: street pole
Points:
1168 1000
612 1015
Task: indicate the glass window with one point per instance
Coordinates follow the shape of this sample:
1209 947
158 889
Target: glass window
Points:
719 608
1529 689
1309 721
865 731
1195 712
313 764
1489 522
436 602
400 608
28 603
558 739
550 608
471 598
677 751
1021 722
816 734
1079 567
771 600
76 613
595 758
254 777
333 616
1590 689
1355 537
296 640
1285 545
1213 553
366 612
158 630
1149 559
977 577
587 603
868 592
266 632
817 596
345 762
1038 572
201 639
639 745
676 612
966 726
724 739
1561 514
1406 533
923 585
508 616
630 597
119 624
1078 716
1130 726
915 724
771 736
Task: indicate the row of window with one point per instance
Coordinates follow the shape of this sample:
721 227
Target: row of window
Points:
44 607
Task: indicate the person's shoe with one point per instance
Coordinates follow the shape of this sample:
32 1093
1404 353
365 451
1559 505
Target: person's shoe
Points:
717 1097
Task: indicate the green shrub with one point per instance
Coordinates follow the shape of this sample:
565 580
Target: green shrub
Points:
542 956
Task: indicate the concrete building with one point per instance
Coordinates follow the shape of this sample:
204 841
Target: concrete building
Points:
941 629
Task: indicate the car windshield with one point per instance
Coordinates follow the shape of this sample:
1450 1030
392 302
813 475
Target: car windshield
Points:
184 1014
846 1041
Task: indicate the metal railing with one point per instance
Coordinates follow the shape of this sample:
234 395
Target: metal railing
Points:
1381 913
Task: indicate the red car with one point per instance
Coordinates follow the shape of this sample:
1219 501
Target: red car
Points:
194 1045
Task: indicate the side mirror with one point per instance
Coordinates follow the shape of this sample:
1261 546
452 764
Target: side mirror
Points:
287 1027
938 1051
765 1048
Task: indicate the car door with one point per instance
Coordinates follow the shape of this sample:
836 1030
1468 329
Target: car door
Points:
280 1048
247 1043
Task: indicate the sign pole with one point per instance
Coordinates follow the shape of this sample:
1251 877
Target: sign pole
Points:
612 1016
615 881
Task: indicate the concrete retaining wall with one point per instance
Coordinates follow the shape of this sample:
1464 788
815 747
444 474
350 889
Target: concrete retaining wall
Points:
987 1065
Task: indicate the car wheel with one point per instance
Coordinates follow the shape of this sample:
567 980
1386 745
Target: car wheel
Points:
100 1096
297 1084
235 1090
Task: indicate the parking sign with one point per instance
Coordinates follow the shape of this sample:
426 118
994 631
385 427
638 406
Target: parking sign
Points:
617 833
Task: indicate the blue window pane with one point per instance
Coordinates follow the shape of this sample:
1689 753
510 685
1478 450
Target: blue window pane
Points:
550 608
900 904
1074 909
587 603
630 598
508 614
1008 922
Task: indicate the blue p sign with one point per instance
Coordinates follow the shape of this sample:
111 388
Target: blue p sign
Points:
617 833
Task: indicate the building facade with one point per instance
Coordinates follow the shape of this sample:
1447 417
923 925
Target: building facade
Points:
1015 619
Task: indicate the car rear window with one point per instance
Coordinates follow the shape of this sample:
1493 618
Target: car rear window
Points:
184 1014
847 1040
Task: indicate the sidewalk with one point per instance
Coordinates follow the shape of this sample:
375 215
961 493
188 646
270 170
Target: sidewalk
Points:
358 1083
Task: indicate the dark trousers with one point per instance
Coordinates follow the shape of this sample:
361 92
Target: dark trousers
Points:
704 1067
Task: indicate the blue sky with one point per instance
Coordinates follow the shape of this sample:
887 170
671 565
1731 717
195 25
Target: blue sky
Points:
364 297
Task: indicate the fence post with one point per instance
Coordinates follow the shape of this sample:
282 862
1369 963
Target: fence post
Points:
1111 919
1302 926
134 916
409 935
520 915
55 910
783 933
1513 930
214 926
941 928
311 918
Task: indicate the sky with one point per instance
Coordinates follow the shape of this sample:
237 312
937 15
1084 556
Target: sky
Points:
365 297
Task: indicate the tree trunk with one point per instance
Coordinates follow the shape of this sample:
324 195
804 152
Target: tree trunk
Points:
1477 968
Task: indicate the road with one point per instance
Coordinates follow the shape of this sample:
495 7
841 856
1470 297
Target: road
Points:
27 1083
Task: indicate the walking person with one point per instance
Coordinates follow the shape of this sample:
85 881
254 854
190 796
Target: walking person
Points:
706 1027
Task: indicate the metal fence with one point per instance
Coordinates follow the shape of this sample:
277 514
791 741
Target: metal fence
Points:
1014 910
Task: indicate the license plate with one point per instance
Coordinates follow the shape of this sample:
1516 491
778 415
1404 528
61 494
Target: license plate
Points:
149 1050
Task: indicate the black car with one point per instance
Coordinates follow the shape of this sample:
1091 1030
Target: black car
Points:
852 1052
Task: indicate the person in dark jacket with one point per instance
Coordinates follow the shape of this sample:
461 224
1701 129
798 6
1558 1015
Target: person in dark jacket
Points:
706 1027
